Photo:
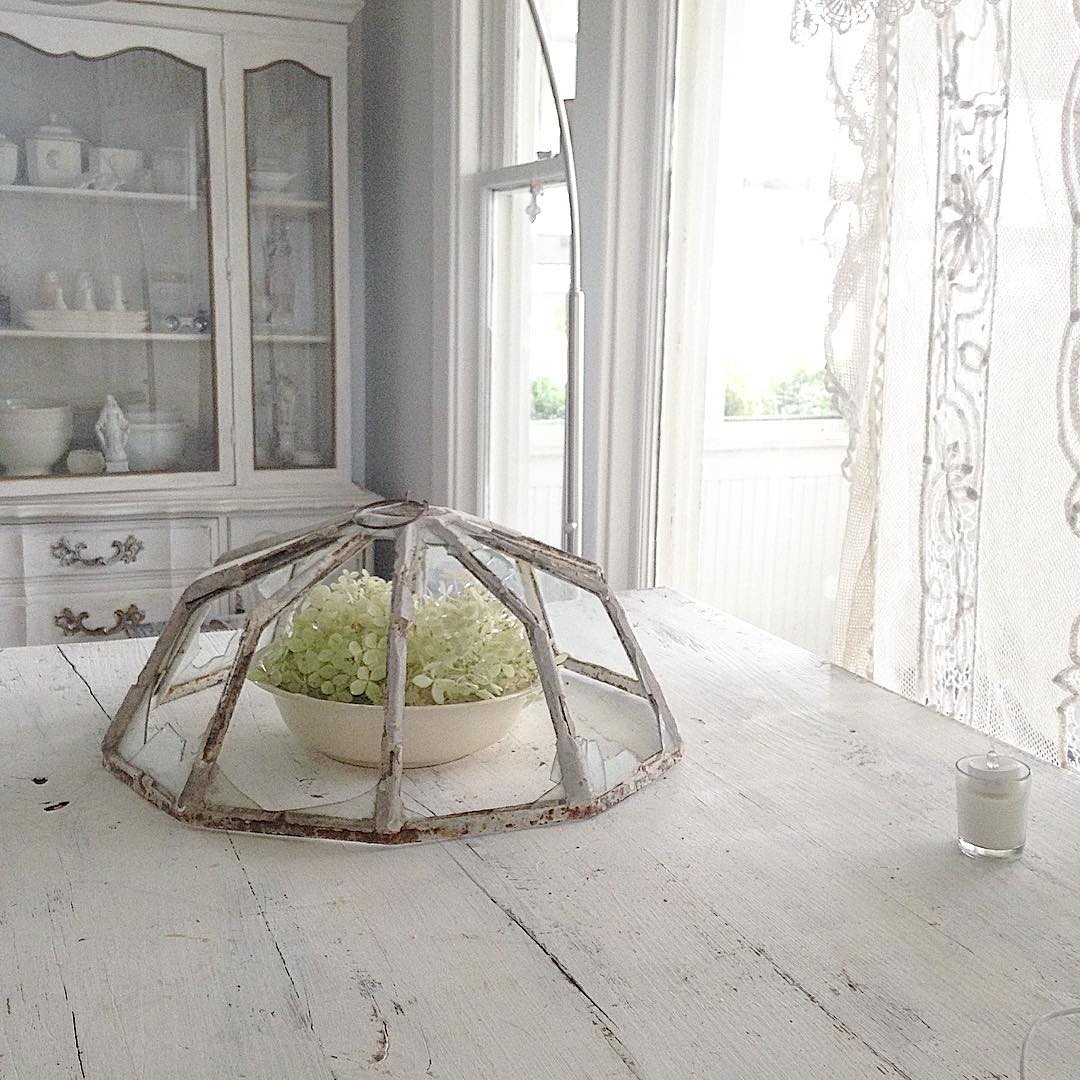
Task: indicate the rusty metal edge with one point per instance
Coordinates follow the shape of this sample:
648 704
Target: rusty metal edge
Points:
440 827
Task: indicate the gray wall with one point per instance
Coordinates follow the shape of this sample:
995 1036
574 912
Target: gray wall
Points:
394 85
356 254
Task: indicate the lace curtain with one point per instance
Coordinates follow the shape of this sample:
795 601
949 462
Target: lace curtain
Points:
953 351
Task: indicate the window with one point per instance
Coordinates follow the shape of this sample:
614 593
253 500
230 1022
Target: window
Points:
536 126
529 281
501 316
523 215
751 497
773 270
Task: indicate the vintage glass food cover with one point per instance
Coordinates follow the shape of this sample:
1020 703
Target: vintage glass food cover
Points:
204 742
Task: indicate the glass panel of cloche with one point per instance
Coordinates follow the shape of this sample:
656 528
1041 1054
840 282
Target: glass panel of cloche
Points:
290 217
106 328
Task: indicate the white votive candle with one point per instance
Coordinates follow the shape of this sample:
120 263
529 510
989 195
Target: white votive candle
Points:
991 805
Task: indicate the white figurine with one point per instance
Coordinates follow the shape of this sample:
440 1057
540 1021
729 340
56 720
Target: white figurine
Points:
52 296
118 301
84 291
285 397
112 433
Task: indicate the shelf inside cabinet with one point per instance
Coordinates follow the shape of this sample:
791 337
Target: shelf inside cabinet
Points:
94 195
291 339
272 200
22 332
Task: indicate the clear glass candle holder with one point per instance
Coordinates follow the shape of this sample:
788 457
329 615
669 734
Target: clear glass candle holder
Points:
992 805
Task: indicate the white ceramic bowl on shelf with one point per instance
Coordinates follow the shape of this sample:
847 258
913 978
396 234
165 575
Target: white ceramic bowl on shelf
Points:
33 435
116 162
155 439
431 734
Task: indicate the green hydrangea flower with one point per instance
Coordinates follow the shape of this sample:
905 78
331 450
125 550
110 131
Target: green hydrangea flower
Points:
463 646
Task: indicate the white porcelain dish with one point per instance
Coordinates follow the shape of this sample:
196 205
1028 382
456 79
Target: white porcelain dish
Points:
113 161
155 439
54 156
33 435
51 321
431 734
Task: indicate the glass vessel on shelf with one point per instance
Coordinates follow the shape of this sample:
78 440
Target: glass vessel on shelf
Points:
287 109
106 282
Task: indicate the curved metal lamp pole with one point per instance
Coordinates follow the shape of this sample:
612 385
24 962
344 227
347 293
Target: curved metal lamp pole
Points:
573 455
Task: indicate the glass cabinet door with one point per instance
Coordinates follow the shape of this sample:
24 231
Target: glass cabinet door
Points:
287 112
107 320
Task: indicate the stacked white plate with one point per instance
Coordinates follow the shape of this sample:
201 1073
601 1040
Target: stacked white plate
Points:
51 321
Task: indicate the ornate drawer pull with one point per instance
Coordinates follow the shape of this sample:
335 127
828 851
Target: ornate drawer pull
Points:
124 551
72 624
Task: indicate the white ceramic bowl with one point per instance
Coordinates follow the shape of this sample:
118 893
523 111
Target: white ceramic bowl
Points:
144 415
431 734
33 435
155 439
116 161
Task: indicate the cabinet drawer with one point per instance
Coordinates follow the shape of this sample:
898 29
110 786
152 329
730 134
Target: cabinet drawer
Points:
89 616
93 552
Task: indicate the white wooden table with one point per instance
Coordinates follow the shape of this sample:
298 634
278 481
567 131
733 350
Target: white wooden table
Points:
787 902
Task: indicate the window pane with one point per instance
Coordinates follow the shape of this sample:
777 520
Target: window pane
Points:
289 220
774 271
536 125
530 277
106 284
753 499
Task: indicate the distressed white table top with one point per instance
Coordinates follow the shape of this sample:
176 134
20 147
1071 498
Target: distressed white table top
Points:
787 902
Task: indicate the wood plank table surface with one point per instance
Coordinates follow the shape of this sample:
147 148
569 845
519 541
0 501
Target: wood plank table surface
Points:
787 902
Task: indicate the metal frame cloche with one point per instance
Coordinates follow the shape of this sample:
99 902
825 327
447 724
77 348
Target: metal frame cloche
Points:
613 731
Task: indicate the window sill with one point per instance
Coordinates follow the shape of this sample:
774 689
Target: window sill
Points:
777 433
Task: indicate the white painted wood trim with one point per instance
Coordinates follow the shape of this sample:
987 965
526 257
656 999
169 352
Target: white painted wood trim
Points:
695 160
624 151
171 502
546 170
472 108
332 11
457 244
283 21
241 55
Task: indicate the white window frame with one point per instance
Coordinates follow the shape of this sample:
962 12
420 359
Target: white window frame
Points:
684 442
487 30
622 137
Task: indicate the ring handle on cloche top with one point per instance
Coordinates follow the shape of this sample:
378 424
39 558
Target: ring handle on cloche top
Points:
390 513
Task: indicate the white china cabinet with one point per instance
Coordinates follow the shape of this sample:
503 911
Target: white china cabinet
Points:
174 361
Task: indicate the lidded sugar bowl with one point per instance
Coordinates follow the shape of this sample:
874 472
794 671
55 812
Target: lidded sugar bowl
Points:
54 155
